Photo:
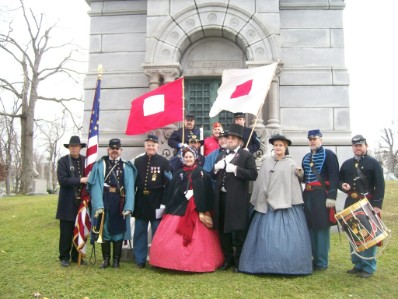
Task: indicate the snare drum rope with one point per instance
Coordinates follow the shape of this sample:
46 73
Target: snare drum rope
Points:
379 252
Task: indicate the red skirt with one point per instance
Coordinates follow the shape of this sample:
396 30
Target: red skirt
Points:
202 254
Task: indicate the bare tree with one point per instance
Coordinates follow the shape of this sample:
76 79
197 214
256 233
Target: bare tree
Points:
52 132
387 150
9 147
30 57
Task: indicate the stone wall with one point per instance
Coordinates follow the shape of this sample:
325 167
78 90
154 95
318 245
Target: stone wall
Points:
143 43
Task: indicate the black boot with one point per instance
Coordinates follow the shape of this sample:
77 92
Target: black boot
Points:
106 254
117 253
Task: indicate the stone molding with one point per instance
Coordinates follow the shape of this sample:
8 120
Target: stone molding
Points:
175 34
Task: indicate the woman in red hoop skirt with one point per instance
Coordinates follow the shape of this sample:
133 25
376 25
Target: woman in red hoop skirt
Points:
184 240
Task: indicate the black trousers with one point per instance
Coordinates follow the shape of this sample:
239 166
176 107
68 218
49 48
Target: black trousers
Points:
231 240
66 249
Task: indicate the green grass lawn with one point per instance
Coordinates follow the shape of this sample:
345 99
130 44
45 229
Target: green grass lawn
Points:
29 264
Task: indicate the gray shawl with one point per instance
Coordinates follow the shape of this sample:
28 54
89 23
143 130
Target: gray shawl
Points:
277 185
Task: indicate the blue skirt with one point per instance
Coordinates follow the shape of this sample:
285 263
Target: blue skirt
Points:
278 242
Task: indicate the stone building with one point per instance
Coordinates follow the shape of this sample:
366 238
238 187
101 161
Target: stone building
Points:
145 43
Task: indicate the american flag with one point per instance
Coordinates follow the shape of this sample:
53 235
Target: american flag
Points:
83 221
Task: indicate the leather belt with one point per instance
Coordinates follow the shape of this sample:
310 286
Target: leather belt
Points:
309 187
111 189
356 195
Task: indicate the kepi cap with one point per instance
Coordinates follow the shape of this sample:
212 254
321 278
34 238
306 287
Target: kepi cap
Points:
314 133
189 116
239 115
358 139
115 143
152 138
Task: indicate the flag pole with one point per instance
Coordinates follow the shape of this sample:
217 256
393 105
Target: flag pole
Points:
99 77
254 125
183 110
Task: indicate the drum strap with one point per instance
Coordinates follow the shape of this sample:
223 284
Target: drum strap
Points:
360 175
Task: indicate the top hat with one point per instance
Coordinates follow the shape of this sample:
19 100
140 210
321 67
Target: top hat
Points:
239 115
236 130
75 140
152 138
189 116
115 143
314 133
279 137
358 139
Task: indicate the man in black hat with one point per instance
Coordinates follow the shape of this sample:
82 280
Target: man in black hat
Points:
176 141
362 177
231 207
151 186
321 178
112 185
71 178
254 144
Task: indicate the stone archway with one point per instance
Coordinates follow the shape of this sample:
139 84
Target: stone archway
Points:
178 34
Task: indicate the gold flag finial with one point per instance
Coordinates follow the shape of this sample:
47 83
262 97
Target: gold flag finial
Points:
99 71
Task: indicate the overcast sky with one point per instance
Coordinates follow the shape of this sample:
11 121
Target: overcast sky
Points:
371 54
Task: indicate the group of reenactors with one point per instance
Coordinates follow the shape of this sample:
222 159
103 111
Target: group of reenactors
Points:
121 189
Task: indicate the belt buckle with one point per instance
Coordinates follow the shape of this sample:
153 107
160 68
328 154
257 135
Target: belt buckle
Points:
112 189
308 187
146 192
354 195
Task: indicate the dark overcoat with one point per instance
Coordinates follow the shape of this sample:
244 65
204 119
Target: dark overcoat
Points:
237 201
67 204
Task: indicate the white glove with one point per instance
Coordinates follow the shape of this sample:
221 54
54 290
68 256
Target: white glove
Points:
189 194
125 213
219 165
246 149
97 212
159 212
182 145
330 203
231 168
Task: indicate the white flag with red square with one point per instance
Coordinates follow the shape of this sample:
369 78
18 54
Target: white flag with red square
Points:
243 90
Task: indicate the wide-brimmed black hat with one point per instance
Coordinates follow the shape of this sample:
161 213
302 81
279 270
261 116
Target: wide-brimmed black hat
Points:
235 130
115 143
152 138
75 140
279 137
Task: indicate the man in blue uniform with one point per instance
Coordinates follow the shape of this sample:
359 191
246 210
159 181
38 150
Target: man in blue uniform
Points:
152 182
71 178
176 141
360 177
254 144
111 185
321 178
